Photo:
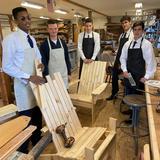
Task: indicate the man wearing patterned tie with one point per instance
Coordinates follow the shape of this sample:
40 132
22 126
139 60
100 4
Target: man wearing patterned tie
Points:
19 53
138 59
88 44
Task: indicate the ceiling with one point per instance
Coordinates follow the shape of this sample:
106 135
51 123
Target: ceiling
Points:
107 7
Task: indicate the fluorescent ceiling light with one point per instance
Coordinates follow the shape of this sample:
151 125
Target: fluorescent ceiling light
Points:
42 17
32 5
77 15
60 11
138 5
59 19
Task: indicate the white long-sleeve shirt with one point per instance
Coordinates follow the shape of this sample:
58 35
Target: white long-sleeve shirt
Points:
96 41
13 47
148 56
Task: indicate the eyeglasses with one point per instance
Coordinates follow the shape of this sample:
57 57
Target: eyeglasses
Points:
25 18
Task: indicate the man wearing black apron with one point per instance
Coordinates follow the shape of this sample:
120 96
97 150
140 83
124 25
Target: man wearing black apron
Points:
138 59
88 44
124 37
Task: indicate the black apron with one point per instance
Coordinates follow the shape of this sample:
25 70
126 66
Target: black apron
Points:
88 49
136 66
123 40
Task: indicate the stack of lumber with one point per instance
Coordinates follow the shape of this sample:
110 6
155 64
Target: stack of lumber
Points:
13 134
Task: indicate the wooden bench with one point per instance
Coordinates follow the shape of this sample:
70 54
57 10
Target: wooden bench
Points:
57 108
92 87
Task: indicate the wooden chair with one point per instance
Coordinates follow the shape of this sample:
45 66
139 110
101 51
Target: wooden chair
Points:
92 87
57 108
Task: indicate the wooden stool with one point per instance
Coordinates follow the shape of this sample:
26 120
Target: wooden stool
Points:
135 102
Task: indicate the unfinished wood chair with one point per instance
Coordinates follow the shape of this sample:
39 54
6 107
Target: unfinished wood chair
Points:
92 87
57 108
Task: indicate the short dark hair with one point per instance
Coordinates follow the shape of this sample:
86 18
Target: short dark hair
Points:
138 23
16 10
127 18
88 20
52 21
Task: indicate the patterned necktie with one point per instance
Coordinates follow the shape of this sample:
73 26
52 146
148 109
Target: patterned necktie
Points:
124 35
30 41
134 44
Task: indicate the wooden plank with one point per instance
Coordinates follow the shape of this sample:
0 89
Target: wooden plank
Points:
60 107
6 133
16 142
152 129
147 152
7 112
89 153
49 118
65 94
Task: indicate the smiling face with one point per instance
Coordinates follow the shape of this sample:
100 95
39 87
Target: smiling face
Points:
126 25
23 21
53 30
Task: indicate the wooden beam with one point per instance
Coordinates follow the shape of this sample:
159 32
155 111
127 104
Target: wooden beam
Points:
85 7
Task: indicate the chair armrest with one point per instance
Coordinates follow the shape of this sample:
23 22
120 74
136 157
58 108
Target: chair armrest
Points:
99 89
90 154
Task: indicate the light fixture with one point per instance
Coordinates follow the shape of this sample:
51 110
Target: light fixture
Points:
59 19
60 11
78 15
138 5
43 17
138 12
31 5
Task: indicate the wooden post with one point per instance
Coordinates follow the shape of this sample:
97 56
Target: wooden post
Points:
5 81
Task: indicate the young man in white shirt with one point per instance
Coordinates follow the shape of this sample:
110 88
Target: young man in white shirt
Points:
138 59
19 53
88 44
124 37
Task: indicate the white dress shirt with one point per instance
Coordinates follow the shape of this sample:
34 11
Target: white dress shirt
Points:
96 41
148 55
13 54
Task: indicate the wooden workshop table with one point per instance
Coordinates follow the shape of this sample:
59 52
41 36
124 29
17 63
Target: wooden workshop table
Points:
154 119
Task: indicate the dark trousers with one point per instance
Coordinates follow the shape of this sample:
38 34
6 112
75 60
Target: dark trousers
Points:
36 120
115 78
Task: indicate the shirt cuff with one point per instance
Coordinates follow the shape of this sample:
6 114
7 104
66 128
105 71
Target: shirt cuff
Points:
146 76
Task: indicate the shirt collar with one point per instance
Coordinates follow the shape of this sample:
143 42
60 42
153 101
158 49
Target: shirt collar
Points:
88 33
22 32
138 40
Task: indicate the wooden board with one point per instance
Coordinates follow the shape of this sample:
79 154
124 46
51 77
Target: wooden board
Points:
154 122
16 142
11 128
7 112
